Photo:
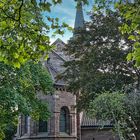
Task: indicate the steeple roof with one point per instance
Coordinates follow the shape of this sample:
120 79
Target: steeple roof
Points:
79 20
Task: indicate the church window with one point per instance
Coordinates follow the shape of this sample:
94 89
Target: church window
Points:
43 126
64 124
26 124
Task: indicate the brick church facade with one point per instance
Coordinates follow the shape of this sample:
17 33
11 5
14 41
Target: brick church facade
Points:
62 125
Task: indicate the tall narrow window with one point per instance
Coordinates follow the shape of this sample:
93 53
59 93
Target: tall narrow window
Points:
26 124
64 124
43 126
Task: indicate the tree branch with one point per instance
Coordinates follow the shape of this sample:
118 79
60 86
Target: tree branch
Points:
8 15
20 11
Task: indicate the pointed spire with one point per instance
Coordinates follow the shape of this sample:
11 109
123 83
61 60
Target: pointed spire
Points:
79 20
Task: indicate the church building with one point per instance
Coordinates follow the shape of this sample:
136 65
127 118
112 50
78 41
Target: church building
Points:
63 123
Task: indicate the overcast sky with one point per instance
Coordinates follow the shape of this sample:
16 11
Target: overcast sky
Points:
66 12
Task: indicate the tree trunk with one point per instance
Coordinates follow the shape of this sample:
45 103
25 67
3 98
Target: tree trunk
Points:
78 119
78 127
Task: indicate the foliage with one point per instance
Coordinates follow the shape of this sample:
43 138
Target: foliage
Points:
98 64
113 102
131 14
24 38
9 132
18 93
111 106
133 108
121 109
23 31
99 58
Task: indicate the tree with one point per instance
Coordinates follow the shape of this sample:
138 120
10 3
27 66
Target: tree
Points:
18 93
10 131
99 58
122 109
23 37
23 32
131 14
111 106
99 65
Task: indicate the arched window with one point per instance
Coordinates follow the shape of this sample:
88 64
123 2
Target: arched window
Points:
43 126
64 123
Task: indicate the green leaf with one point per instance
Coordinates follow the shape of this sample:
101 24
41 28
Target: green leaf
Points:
16 64
136 44
132 37
130 56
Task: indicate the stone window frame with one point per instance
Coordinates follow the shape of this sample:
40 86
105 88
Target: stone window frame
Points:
65 119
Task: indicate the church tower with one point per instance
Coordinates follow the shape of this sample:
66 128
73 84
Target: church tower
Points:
79 20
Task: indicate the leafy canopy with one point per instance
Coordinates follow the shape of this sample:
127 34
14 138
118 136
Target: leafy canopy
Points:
99 58
131 14
24 40
18 93
100 71
23 31
111 107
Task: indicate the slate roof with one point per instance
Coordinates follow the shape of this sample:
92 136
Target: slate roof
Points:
52 68
54 73
93 122
58 40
